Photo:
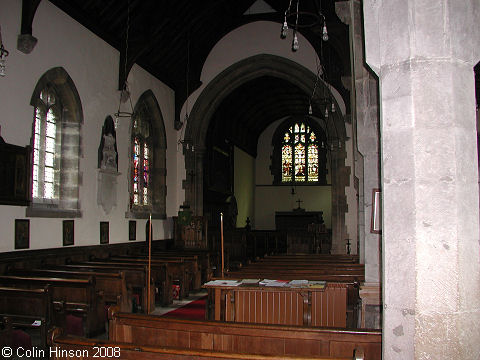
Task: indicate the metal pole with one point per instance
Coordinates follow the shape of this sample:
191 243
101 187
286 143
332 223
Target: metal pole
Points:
149 262
221 237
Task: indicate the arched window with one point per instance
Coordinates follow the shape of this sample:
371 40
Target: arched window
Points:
141 194
55 146
46 149
299 153
147 184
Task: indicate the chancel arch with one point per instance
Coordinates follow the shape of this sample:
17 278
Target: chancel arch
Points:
237 75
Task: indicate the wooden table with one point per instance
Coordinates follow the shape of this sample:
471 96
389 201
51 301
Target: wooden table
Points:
304 306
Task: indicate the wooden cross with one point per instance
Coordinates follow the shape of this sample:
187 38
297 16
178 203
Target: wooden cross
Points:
348 246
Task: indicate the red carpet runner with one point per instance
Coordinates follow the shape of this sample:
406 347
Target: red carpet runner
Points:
192 311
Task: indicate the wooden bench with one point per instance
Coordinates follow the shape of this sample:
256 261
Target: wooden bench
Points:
277 340
295 275
299 268
135 277
337 258
30 309
5 331
160 273
70 348
76 297
113 285
192 263
203 258
183 269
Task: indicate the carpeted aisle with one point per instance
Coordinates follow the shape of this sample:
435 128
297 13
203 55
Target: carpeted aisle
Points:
192 311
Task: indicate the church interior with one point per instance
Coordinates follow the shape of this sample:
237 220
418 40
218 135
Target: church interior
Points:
302 174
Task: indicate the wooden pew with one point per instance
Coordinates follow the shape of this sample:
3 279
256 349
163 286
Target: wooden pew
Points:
203 258
161 275
337 258
191 262
135 277
72 348
180 268
30 309
277 340
297 268
76 296
296 275
113 285
5 332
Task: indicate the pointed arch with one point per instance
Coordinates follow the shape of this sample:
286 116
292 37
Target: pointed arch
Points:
226 82
56 146
147 173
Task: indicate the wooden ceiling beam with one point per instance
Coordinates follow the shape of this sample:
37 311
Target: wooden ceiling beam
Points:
26 41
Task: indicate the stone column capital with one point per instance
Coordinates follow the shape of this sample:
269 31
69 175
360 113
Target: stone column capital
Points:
401 31
342 9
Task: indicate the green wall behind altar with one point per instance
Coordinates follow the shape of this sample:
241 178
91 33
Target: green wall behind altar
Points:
244 185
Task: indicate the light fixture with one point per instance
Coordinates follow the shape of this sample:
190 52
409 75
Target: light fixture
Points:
324 32
187 77
3 55
125 91
296 19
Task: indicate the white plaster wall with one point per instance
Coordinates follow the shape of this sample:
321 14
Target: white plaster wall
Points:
93 66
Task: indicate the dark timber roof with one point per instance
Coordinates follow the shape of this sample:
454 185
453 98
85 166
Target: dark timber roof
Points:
165 35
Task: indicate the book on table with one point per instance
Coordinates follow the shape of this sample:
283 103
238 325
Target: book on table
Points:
317 284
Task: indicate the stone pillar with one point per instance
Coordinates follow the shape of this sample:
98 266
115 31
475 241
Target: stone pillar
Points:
193 184
340 179
423 52
366 122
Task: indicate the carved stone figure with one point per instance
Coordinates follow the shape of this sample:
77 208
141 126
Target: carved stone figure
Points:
109 158
107 151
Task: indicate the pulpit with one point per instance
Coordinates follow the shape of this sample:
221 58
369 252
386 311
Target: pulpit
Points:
190 232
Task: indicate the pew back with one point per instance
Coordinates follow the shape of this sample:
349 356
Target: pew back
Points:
276 340
113 285
70 348
28 308
75 296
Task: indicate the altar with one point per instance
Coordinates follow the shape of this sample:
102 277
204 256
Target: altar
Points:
305 231
297 219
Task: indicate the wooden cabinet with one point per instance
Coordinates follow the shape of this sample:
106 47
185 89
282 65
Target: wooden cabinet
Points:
15 170
279 305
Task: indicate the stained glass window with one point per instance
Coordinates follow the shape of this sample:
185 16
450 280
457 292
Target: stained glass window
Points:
45 139
141 159
300 154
